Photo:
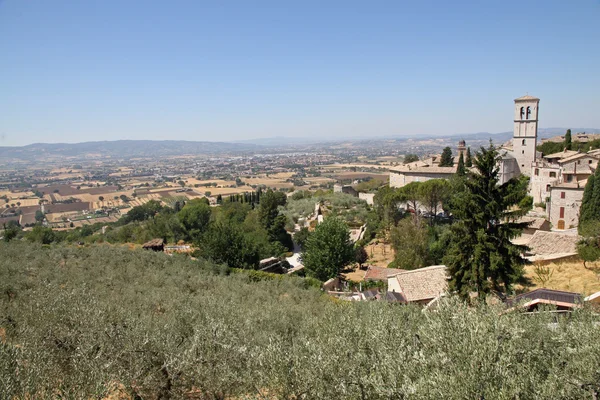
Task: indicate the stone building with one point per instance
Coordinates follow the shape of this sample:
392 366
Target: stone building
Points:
565 202
556 180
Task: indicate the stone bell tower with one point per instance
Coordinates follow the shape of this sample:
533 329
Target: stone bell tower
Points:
525 132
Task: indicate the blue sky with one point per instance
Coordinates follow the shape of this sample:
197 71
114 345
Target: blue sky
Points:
75 71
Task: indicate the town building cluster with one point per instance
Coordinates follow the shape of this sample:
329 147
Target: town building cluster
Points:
557 181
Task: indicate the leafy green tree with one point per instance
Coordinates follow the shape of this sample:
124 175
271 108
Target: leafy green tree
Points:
568 140
460 169
225 243
360 256
11 230
195 217
268 212
589 220
41 234
433 194
386 202
410 242
301 236
469 160
481 256
328 249
411 194
588 247
39 216
143 212
446 159
410 158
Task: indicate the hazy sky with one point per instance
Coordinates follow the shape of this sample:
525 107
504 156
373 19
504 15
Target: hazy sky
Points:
74 70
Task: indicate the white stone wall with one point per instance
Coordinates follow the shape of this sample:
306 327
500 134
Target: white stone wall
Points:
571 204
396 179
368 197
580 166
508 169
400 179
539 181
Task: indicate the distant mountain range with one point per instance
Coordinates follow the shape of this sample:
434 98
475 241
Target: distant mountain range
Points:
165 148
123 149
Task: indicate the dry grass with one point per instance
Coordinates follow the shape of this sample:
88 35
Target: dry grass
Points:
380 253
357 275
220 182
269 182
569 276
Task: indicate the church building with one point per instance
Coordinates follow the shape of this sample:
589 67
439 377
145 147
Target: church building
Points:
556 180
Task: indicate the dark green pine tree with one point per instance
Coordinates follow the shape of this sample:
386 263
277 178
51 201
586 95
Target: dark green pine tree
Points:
469 160
481 257
460 169
446 159
568 140
590 204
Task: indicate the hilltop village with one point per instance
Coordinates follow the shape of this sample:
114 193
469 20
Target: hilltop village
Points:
89 202
128 276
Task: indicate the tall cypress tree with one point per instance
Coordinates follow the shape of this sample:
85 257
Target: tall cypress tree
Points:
468 161
446 159
481 256
460 169
568 140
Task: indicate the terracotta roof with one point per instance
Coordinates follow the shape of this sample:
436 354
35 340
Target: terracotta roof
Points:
423 283
571 185
575 157
562 154
545 243
548 296
380 273
534 222
527 98
153 243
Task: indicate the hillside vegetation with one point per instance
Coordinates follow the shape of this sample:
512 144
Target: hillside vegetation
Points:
80 322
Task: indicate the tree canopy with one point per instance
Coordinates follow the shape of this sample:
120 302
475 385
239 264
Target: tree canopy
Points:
328 249
446 160
480 256
589 220
410 158
469 160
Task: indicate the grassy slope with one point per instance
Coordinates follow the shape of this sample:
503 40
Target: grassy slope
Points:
77 321
568 276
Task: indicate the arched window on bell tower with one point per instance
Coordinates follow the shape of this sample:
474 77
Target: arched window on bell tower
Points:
528 112
522 112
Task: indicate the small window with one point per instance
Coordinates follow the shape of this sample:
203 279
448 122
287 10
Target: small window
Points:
523 165
537 172
552 174
523 143
547 188
562 212
590 161
562 195
522 151
578 161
